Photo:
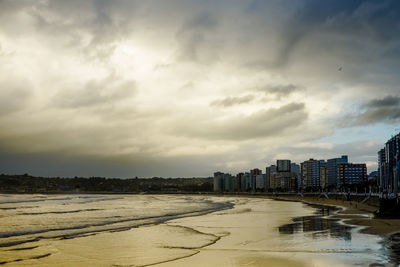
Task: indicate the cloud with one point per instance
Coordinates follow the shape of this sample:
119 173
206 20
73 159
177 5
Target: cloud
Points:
353 21
279 91
388 101
96 92
232 101
380 110
260 124
14 96
156 81
194 35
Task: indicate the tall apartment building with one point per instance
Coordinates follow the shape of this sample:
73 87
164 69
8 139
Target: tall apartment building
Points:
254 173
331 171
389 165
382 169
281 176
269 172
228 184
283 165
239 182
218 181
284 181
295 169
322 175
310 173
260 182
247 182
350 173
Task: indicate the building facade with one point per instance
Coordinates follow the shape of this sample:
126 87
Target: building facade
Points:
331 171
260 182
310 174
218 181
281 177
247 182
350 173
382 169
269 172
295 169
389 165
283 165
322 174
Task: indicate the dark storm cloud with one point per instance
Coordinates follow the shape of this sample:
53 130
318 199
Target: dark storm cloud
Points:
388 101
380 110
358 20
261 124
232 101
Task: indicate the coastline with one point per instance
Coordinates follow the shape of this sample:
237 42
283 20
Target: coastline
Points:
352 212
251 232
361 215
243 243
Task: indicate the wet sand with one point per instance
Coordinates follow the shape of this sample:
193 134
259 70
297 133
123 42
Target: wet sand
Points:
354 213
252 239
255 232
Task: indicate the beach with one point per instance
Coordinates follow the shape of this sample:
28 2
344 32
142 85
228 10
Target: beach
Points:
353 212
187 230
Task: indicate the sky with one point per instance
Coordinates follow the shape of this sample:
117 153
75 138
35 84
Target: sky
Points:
186 88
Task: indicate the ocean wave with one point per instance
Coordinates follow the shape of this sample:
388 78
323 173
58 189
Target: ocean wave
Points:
122 218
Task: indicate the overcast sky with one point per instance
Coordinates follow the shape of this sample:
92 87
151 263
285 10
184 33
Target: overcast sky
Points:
186 88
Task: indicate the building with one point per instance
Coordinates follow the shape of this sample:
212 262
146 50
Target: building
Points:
322 174
269 172
389 165
281 177
373 178
310 174
350 173
228 184
285 181
254 173
239 182
246 182
331 171
260 182
218 181
382 169
295 169
283 165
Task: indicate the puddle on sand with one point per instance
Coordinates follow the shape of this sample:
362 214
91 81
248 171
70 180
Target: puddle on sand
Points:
319 225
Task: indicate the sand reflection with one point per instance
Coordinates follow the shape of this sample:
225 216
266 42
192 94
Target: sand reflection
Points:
319 225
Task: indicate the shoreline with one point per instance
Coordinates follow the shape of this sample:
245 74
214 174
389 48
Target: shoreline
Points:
243 234
238 245
353 213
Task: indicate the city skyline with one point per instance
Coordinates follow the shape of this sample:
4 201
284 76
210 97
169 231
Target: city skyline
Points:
182 89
